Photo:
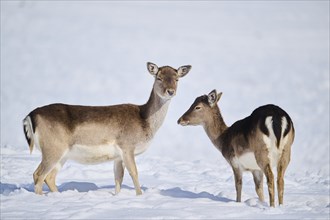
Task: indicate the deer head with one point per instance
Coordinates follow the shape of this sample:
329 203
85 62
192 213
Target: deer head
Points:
202 110
166 79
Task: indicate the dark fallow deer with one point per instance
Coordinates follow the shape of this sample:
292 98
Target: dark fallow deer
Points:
96 134
256 143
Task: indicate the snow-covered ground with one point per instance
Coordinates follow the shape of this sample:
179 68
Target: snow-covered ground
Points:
95 53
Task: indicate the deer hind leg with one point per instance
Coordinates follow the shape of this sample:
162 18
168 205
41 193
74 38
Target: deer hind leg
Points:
49 161
281 168
119 174
51 177
263 162
238 183
40 174
50 180
258 181
270 182
36 177
129 161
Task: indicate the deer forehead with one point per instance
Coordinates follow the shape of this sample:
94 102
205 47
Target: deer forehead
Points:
202 100
167 72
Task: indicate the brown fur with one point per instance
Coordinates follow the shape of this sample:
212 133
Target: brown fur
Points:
95 134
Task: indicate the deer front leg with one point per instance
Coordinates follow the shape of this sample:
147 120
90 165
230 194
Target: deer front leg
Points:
129 161
119 174
238 183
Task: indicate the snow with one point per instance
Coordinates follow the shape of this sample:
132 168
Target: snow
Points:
95 53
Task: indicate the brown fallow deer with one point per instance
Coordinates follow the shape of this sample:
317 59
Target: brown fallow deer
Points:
256 143
96 134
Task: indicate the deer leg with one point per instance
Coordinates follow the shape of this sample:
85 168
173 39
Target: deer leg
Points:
281 168
51 177
258 181
40 175
50 180
270 182
238 183
129 161
48 163
119 174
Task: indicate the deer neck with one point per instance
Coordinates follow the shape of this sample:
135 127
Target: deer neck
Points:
215 127
154 111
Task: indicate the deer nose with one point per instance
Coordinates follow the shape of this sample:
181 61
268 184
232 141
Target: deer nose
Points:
183 122
170 92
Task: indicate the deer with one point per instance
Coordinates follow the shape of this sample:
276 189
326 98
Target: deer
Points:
97 134
256 143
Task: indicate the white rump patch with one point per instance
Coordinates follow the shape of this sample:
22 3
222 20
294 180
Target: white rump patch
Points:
283 139
274 153
284 125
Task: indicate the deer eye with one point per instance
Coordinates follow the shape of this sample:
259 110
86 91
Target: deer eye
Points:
159 79
198 108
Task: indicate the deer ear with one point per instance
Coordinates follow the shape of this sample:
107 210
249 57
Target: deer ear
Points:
213 97
152 68
219 96
183 70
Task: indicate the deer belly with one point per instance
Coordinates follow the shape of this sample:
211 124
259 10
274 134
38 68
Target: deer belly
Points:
141 147
247 161
93 154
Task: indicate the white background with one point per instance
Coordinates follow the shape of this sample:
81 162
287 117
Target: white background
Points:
95 53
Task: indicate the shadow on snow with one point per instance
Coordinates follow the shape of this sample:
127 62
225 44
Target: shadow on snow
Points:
7 188
177 192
